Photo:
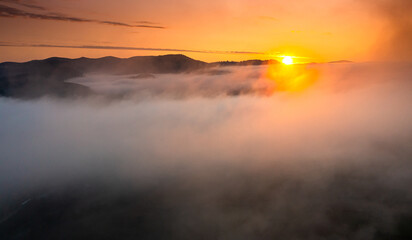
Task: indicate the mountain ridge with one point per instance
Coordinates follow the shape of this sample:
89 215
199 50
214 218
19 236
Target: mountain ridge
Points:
38 78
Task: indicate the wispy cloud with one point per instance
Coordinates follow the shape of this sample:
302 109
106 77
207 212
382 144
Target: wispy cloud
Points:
24 4
11 12
6 44
146 22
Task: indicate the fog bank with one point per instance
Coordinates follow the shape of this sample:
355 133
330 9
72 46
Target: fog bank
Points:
330 162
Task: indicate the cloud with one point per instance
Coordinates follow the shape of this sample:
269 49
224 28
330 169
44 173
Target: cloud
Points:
206 83
10 12
24 4
8 44
146 22
330 163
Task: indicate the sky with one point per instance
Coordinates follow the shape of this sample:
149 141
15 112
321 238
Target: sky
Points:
213 30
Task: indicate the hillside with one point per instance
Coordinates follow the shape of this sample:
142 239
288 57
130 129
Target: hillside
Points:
46 77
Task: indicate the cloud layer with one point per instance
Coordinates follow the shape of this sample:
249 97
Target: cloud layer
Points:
332 162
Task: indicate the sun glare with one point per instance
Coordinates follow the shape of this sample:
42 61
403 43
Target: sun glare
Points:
287 60
282 77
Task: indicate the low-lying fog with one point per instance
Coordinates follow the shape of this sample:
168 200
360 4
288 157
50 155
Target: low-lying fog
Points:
332 161
206 82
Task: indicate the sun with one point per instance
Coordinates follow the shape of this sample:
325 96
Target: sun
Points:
287 60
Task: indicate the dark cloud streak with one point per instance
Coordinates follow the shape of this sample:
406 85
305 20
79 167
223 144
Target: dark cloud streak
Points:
10 12
20 3
5 44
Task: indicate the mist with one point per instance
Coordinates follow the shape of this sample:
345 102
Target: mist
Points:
332 161
205 82
394 45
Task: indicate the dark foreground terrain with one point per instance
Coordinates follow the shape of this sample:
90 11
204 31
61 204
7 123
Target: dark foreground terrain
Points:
347 204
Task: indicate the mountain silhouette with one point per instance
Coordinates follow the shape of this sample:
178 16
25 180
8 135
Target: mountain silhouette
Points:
47 77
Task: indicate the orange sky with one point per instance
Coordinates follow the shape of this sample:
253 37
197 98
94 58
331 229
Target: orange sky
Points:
319 30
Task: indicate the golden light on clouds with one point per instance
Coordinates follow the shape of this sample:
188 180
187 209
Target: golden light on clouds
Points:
289 77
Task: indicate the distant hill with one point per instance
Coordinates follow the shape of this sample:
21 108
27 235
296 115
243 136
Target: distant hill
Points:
47 77
253 62
341 61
